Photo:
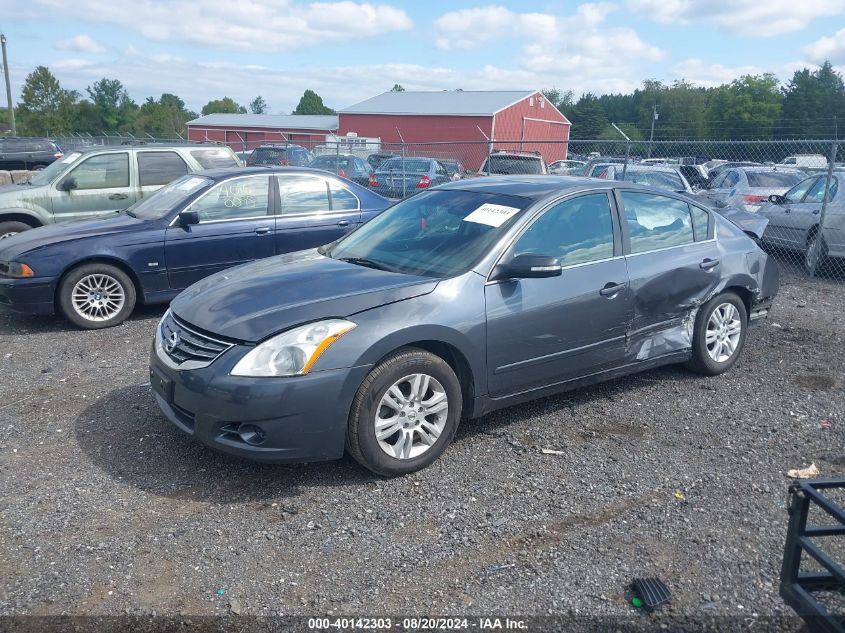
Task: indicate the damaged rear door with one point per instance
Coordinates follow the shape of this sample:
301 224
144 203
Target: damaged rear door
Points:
673 267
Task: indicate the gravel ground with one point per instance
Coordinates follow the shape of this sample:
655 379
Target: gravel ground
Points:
106 509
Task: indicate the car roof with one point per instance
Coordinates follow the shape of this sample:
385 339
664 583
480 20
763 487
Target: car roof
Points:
527 186
221 173
769 168
668 169
151 146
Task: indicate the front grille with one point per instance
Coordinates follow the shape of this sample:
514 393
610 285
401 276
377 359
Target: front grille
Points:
182 343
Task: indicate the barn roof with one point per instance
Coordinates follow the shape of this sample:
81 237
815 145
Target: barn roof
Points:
321 122
444 103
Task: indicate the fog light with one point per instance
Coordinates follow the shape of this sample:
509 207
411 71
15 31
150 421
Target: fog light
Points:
251 434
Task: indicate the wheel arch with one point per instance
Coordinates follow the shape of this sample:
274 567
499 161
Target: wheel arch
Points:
103 259
21 216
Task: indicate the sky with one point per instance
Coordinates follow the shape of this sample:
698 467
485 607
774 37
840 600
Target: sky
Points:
348 51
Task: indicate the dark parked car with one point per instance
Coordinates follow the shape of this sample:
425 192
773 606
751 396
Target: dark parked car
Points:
346 166
470 297
454 168
403 177
377 158
28 153
94 272
285 155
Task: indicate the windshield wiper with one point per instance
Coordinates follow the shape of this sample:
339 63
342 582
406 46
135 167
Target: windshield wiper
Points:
363 261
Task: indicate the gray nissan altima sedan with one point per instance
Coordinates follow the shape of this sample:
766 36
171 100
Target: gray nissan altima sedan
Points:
463 299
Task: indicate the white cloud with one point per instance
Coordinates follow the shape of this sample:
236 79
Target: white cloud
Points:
72 64
82 43
830 48
263 25
573 51
700 73
749 17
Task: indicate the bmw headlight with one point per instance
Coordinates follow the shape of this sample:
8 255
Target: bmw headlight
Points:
294 352
16 270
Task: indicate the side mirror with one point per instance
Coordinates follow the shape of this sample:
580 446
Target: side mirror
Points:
187 218
776 198
68 184
528 266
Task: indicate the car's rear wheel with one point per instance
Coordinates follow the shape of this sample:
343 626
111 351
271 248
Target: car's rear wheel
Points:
95 296
8 229
719 334
815 255
405 413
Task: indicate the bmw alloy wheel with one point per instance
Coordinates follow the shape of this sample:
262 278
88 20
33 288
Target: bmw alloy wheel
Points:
724 329
98 297
813 254
411 416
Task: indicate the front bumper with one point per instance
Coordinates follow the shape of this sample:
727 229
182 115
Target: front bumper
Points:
29 296
300 418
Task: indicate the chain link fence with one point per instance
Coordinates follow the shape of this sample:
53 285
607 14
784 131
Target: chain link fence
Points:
792 188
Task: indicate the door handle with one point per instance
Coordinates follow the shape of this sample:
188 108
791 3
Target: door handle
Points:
118 196
816 211
708 264
343 223
611 289
262 230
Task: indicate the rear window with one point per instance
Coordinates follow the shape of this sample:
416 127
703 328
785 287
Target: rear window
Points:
411 166
160 168
771 179
212 158
332 162
659 179
514 165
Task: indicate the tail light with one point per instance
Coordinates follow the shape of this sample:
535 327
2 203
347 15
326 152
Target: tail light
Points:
750 199
342 173
58 155
373 180
424 182
284 161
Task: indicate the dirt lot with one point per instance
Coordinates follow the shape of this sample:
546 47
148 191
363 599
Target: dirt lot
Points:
107 509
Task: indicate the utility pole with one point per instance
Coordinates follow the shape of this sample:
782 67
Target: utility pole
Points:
653 119
8 85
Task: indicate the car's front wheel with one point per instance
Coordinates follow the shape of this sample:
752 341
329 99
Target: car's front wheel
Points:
9 229
95 296
405 413
719 334
815 256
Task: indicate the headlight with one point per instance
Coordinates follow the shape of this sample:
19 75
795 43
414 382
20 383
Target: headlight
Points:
16 269
294 352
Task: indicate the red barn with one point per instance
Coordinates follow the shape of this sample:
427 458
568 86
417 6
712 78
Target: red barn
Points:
247 131
521 120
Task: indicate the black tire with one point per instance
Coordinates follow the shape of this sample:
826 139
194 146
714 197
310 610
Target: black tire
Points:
7 229
361 442
815 253
38 167
702 362
72 278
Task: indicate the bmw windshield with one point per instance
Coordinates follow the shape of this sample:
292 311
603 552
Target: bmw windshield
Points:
432 234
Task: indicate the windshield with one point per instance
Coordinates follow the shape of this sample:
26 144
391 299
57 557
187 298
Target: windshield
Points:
163 200
660 179
514 165
433 234
772 179
332 162
412 166
46 175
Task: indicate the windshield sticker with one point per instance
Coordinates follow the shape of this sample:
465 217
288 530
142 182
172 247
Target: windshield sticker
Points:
492 214
70 158
190 184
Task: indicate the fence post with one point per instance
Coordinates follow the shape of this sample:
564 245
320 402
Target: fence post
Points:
831 161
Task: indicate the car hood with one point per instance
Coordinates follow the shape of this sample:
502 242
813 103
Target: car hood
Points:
50 234
254 301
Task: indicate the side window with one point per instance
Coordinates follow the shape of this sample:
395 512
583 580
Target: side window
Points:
441 170
105 171
796 194
576 231
239 198
700 223
159 168
342 198
731 179
360 165
656 221
303 194
719 182
816 193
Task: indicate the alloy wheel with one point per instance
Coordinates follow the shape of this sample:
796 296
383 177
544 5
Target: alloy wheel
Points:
724 329
9 234
98 297
411 416
813 254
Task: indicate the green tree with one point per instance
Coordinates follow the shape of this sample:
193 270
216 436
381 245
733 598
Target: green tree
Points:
561 99
312 103
587 117
116 108
45 108
681 108
88 119
258 105
226 104
813 104
609 133
164 118
747 108
397 88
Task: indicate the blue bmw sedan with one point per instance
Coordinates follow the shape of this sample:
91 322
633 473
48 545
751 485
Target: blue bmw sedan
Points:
462 299
94 272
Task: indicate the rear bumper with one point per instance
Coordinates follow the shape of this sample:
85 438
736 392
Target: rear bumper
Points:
299 419
28 296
